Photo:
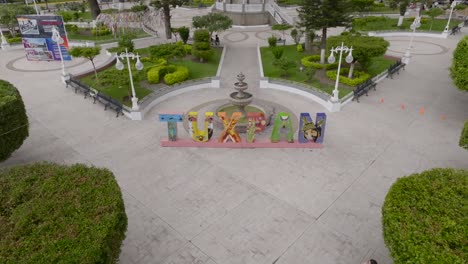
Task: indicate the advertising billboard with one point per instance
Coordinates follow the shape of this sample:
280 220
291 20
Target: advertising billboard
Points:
36 31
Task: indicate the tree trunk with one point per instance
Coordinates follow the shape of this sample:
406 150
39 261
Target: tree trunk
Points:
95 10
167 21
94 67
351 70
323 45
400 20
308 46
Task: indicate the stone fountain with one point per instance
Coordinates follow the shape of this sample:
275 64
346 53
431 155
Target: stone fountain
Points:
240 98
241 101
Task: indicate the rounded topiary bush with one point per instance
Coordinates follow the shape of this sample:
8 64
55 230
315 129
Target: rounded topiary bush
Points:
425 217
464 136
459 69
14 123
60 214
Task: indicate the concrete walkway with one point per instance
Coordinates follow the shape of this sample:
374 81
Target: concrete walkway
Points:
282 206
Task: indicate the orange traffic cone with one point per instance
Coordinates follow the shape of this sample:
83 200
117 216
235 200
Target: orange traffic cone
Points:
403 106
381 100
442 117
421 111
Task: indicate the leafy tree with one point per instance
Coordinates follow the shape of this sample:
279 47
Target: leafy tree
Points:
296 35
281 27
166 7
364 48
323 14
14 124
362 6
167 51
95 9
184 33
8 15
201 46
86 52
433 13
401 5
213 22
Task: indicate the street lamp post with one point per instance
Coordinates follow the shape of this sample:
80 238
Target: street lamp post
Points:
331 59
138 65
4 44
416 24
59 41
446 30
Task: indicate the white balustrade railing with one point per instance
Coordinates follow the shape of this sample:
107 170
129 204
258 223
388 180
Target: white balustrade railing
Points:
251 8
219 5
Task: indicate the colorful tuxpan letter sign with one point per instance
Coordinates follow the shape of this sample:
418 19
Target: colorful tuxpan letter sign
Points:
200 135
229 131
256 123
171 120
283 124
310 131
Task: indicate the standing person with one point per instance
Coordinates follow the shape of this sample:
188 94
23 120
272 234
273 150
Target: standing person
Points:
371 261
217 40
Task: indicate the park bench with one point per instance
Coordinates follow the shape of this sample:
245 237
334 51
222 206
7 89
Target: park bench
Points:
279 41
363 88
455 30
108 101
78 86
395 68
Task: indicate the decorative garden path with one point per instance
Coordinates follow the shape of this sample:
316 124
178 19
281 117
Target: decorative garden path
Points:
282 206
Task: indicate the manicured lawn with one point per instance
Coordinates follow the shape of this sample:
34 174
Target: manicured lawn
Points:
385 23
199 70
379 64
294 74
116 83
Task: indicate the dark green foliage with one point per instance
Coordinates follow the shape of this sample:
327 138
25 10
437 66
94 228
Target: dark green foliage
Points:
201 46
71 28
459 69
272 41
460 7
125 42
59 214
281 27
14 125
294 34
101 31
184 33
167 51
400 4
8 15
139 8
364 47
464 137
201 35
425 218
358 77
362 5
277 52
86 52
213 22
284 65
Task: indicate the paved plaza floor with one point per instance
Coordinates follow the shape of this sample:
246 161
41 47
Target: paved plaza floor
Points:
246 206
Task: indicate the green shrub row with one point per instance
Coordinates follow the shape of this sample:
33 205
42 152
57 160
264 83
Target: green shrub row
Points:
15 40
14 124
459 69
464 137
180 74
425 218
314 62
52 213
172 74
201 46
139 8
71 28
359 77
101 31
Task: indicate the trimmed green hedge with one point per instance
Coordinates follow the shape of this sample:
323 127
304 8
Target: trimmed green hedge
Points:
180 74
459 67
464 136
425 217
14 124
359 77
51 213
314 62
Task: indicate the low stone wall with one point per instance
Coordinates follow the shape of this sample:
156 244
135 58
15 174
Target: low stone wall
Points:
406 34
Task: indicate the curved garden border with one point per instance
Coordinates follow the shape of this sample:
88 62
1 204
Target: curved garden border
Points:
312 93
